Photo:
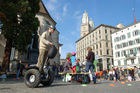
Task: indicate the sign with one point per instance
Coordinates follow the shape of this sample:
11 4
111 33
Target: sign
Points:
96 57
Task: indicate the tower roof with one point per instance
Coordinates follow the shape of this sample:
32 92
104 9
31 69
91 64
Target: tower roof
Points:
85 13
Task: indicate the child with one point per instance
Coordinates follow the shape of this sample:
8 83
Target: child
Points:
67 66
78 65
73 61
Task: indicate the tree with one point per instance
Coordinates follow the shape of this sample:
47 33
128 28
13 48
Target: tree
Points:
68 55
19 25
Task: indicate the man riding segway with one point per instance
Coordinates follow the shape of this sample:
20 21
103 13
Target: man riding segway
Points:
40 73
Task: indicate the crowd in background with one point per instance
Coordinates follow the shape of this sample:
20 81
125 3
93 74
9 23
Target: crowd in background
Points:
119 74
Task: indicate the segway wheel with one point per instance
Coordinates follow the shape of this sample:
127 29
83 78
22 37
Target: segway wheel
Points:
49 80
32 78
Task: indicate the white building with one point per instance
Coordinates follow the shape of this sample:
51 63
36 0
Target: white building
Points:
126 46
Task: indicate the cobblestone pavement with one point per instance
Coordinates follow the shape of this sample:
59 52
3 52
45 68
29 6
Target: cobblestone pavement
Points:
18 86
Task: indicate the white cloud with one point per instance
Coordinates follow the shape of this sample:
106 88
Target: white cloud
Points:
77 13
54 1
54 7
65 9
58 16
78 17
50 6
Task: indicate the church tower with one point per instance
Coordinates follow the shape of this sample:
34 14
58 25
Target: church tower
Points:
86 25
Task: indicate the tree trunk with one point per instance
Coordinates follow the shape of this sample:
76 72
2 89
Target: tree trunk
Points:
7 54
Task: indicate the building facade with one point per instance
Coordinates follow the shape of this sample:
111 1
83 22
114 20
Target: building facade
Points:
126 46
100 40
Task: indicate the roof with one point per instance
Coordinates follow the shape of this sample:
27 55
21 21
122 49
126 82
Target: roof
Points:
126 27
97 28
44 11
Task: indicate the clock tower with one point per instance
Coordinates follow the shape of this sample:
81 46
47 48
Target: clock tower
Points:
85 24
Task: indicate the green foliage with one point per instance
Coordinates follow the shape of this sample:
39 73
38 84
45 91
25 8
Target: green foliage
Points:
68 55
19 21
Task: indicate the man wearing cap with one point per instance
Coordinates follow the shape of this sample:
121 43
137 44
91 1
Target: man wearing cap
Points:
44 45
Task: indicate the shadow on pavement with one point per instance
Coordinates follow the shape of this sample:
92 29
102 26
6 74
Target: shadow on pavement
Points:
11 81
4 88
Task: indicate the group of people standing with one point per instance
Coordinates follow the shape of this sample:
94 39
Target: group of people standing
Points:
72 64
119 74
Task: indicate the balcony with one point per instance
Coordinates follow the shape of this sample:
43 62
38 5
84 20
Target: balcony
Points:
130 56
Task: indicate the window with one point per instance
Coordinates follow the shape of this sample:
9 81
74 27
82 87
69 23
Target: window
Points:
100 52
138 40
105 31
110 32
125 62
106 37
129 35
139 60
106 44
107 51
118 54
100 45
131 51
124 44
119 46
119 63
123 53
130 42
138 49
96 46
122 37
117 39
135 50
136 32
132 61
96 52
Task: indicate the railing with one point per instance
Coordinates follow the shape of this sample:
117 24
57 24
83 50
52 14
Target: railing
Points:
130 56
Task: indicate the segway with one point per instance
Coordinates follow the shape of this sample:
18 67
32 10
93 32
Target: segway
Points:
33 77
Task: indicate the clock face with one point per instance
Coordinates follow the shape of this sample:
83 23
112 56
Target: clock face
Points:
84 20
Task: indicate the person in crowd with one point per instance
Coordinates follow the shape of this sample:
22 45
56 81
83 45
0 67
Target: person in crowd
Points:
78 65
121 74
117 74
132 75
139 72
136 74
111 74
89 64
55 69
67 66
105 74
129 75
19 68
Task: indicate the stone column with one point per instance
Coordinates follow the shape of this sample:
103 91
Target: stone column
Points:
104 63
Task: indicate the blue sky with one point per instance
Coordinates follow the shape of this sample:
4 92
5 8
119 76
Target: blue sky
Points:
68 16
